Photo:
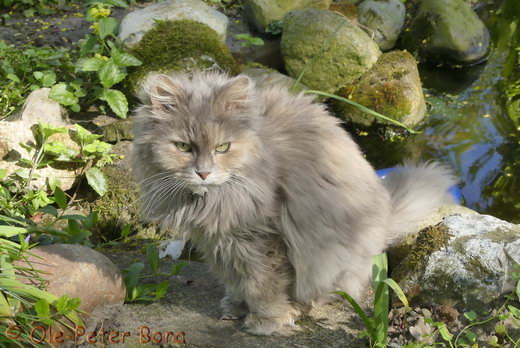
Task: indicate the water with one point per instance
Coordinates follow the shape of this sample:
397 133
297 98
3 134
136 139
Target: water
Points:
469 129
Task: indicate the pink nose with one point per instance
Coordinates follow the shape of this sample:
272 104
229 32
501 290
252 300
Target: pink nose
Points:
203 175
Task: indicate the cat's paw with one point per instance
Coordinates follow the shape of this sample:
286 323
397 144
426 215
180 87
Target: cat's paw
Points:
283 325
232 310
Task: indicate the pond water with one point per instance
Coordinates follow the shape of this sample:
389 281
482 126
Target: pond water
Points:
468 128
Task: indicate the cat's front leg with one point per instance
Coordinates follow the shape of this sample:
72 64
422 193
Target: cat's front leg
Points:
233 307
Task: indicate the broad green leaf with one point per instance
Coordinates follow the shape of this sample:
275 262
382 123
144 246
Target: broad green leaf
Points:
38 75
10 231
49 209
161 290
88 45
116 100
514 310
152 255
471 315
177 268
3 173
81 136
96 179
5 308
500 329
49 79
42 131
13 77
73 227
53 182
60 94
132 275
443 330
60 198
92 64
43 310
471 336
124 59
107 26
110 74
98 147
23 173
59 150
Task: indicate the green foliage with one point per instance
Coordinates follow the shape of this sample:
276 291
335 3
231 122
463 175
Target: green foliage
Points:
77 81
247 40
18 194
377 324
274 28
28 68
136 289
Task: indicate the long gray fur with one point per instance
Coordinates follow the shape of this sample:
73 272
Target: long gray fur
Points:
291 212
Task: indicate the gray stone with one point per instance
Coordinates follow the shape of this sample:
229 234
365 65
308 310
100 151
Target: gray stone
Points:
37 108
392 88
469 269
266 77
77 271
384 20
447 31
192 306
350 54
138 22
260 13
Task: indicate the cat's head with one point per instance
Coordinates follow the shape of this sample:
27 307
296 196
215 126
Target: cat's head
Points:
199 128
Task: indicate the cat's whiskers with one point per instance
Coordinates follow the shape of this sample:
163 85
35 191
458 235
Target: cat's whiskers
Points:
165 193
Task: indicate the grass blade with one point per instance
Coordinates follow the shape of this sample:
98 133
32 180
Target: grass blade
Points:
398 291
362 108
357 308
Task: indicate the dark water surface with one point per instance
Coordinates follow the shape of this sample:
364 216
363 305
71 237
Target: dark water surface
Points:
469 129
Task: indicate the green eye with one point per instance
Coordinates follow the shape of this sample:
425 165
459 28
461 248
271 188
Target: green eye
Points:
222 148
182 147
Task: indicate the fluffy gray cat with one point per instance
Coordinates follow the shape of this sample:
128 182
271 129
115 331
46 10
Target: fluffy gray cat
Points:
274 193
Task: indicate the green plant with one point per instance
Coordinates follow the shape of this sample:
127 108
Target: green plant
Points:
136 290
23 305
274 28
23 70
377 324
102 62
246 40
19 196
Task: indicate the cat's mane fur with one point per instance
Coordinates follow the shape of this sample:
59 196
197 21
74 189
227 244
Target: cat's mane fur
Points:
301 213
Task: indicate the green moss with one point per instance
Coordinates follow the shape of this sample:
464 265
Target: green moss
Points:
392 88
429 240
180 46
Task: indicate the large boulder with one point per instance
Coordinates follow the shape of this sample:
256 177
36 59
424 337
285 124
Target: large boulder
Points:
384 19
447 31
466 261
139 22
267 77
392 88
37 108
182 45
260 13
77 271
330 48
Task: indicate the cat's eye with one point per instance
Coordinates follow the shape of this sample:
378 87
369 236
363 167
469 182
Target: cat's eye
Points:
182 147
222 148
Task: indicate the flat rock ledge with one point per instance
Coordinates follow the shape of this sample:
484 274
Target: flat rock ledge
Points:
192 306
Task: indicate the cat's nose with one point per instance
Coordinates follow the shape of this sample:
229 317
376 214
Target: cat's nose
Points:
203 175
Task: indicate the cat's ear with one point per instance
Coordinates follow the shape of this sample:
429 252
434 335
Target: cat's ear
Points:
236 94
161 93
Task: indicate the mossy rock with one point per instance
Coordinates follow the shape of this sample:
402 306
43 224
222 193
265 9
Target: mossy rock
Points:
182 45
345 8
331 50
447 32
260 13
392 88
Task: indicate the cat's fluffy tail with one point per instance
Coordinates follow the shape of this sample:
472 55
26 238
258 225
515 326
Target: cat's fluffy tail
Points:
416 190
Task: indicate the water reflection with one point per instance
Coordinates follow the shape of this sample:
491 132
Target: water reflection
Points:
469 129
